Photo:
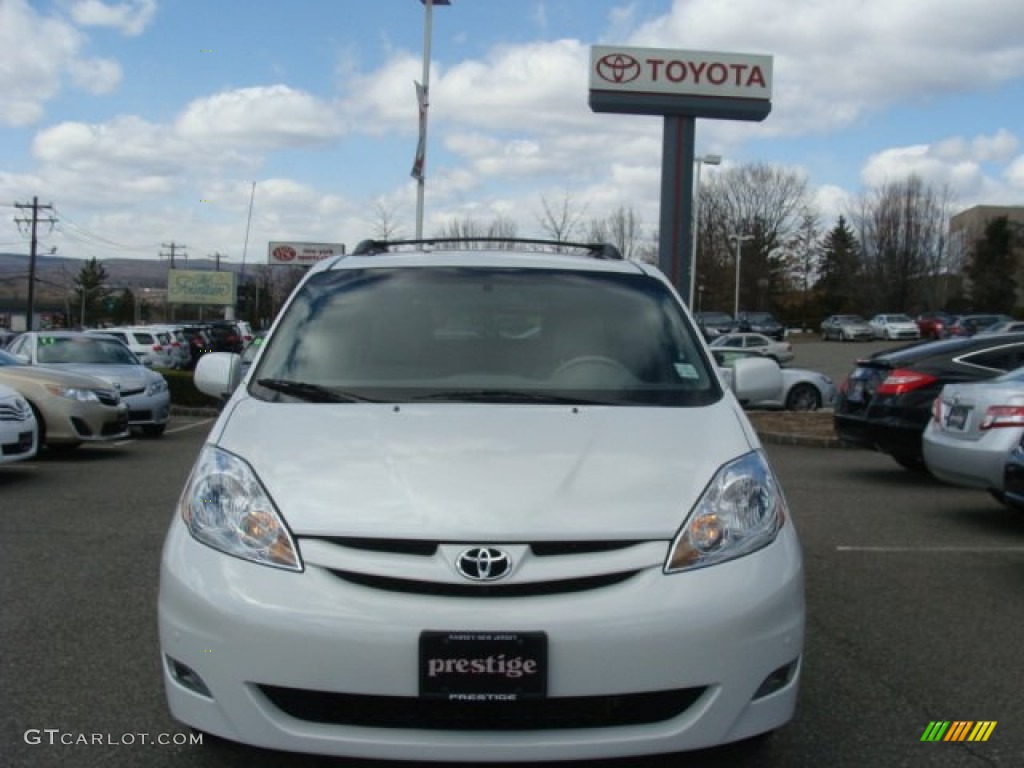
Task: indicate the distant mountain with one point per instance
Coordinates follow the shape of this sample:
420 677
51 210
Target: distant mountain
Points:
59 272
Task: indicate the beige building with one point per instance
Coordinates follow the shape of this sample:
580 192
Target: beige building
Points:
968 226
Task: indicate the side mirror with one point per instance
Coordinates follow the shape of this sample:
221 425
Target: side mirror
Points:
215 374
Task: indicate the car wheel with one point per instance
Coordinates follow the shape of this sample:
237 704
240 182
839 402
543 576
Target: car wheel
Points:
803 397
911 461
153 430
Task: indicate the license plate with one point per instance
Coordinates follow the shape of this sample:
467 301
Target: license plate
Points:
956 418
483 666
856 394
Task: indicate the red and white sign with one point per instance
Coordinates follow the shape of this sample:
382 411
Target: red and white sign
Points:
301 254
683 73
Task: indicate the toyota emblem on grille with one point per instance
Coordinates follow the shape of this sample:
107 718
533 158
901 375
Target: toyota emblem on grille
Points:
483 563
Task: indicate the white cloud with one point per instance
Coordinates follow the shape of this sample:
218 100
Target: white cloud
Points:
261 116
837 62
38 52
130 17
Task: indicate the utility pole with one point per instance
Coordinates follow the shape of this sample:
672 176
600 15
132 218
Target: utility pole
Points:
35 206
173 247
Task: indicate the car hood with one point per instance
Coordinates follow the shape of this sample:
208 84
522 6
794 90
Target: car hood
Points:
34 374
127 377
466 472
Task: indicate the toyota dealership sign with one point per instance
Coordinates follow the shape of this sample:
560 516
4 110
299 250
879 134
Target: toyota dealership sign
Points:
660 81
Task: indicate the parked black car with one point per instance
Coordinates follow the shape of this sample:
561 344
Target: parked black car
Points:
715 324
763 323
226 336
886 401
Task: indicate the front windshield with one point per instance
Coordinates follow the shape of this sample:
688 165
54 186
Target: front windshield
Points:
84 350
473 334
6 358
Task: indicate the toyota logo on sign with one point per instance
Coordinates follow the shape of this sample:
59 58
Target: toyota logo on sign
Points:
284 253
483 563
618 68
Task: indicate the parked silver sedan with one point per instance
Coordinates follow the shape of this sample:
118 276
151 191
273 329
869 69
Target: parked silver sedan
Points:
144 390
780 351
846 328
802 389
973 430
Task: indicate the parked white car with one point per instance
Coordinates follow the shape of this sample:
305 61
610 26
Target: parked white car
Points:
19 432
144 341
482 506
800 389
780 351
973 430
892 327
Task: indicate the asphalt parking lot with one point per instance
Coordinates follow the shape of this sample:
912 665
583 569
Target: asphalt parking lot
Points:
913 592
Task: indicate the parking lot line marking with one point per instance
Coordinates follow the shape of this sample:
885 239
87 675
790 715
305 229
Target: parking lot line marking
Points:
967 550
189 426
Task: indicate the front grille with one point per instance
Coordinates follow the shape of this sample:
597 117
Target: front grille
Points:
426 548
530 715
107 397
12 413
130 392
140 416
439 589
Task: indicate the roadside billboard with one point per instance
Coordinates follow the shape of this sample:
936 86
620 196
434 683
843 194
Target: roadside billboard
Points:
299 254
187 286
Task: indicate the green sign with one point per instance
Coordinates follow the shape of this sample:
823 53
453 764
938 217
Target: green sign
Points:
186 286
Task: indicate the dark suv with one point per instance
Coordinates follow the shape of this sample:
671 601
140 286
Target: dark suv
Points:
225 336
886 401
763 323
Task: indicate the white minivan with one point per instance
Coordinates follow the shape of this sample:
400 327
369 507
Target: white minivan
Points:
483 505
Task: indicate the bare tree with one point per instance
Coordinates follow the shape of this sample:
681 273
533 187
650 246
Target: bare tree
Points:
765 202
562 219
475 233
384 224
901 226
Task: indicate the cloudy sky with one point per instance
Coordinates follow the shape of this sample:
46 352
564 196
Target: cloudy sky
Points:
149 121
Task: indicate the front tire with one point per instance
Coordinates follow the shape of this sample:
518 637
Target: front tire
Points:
910 461
803 397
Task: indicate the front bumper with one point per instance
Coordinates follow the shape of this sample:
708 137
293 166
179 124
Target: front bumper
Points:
248 631
144 410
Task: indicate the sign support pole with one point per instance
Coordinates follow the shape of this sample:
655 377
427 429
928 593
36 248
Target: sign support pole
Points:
675 229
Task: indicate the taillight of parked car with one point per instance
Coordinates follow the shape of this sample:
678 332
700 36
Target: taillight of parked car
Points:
1003 416
901 381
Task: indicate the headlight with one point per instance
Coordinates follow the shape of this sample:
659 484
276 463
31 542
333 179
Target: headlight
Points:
156 387
225 507
73 393
740 511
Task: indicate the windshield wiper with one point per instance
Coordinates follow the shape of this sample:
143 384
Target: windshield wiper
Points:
313 393
504 396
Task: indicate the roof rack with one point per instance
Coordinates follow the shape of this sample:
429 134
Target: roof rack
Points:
593 250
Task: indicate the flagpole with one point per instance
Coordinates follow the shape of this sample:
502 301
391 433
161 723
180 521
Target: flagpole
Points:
419 166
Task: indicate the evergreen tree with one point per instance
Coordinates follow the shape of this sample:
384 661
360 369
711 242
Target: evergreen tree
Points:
839 281
91 291
992 268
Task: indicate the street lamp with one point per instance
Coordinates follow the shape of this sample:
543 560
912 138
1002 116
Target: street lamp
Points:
739 249
698 161
419 169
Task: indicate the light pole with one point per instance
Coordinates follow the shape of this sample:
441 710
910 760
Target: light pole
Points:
739 250
698 161
419 165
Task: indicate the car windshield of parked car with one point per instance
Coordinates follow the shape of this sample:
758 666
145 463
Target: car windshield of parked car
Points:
84 349
850 319
491 335
6 359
